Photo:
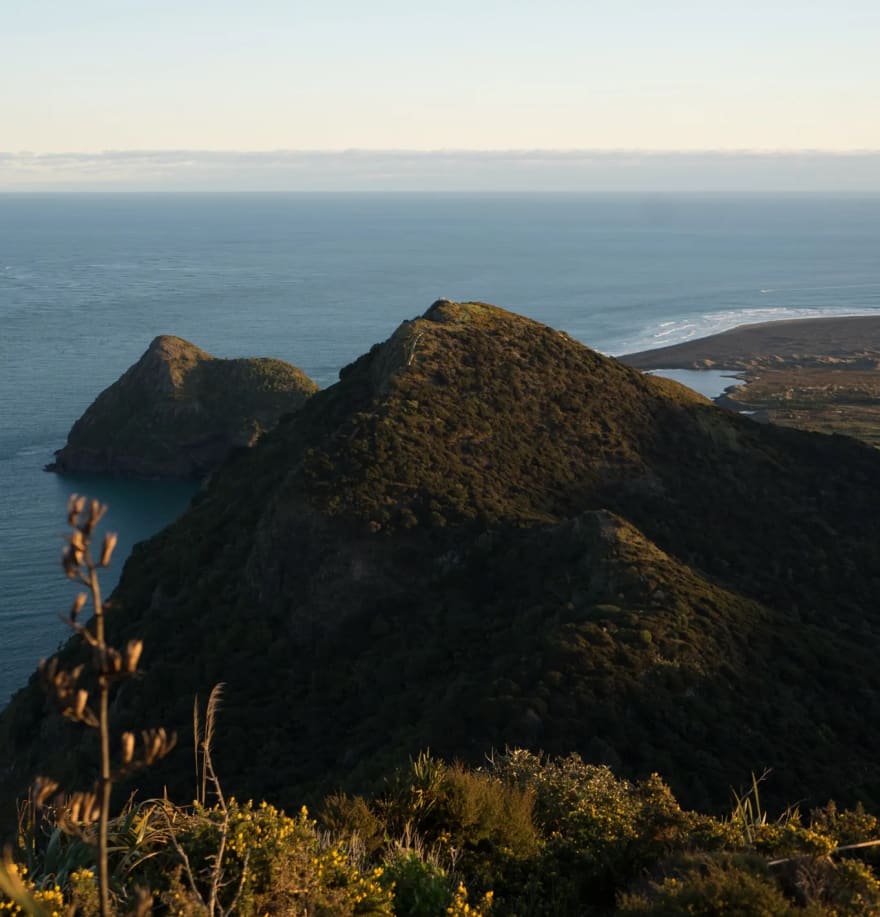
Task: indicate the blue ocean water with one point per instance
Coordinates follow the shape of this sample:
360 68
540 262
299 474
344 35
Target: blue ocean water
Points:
86 281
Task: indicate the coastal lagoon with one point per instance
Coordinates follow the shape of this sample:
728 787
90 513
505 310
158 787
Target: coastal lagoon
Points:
86 281
712 383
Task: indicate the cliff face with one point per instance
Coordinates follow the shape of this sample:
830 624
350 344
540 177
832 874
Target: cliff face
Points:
178 411
487 534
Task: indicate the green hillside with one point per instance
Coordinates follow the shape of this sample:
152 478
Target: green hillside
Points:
487 535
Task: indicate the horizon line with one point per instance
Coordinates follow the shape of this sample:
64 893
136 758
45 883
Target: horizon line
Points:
359 169
469 151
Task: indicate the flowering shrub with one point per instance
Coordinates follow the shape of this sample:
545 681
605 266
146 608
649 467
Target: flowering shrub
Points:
851 826
461 908
420 885
792 839
523 837
50 897
275 863
423 888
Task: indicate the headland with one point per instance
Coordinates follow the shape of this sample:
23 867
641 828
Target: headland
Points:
817 374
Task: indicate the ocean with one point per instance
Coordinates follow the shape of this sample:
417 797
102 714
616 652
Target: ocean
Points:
87 280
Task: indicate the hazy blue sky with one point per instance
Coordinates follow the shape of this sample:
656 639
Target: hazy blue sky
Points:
86 76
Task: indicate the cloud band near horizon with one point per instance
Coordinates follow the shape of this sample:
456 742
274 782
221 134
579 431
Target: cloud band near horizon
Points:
443 170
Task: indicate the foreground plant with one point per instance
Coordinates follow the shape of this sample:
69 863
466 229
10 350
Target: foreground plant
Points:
88 703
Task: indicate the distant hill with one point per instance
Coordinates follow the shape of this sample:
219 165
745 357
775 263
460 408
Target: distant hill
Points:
178 411
487 534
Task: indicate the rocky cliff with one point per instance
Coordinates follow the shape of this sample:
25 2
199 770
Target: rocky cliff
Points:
179 411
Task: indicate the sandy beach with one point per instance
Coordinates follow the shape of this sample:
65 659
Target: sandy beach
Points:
848 341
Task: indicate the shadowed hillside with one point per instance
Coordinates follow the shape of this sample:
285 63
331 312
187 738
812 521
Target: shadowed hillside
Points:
486 534
178 411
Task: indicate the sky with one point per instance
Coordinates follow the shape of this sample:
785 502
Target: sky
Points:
99 77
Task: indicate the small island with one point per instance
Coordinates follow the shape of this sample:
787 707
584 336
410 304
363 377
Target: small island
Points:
816 374
178 411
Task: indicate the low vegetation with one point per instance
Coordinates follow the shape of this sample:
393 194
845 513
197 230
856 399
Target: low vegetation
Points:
521 836
845 401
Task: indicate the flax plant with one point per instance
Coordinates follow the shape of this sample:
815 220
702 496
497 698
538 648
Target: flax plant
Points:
78 812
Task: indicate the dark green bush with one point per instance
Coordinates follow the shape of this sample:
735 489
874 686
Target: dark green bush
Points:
422 888
716 889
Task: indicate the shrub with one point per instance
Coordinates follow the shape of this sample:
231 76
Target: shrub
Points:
709 891
353 818
474 818
274 863
422 888
600 831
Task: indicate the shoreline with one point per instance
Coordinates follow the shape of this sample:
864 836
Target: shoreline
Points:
826 340
817 374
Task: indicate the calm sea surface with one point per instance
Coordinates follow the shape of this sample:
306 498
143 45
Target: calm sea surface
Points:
86 281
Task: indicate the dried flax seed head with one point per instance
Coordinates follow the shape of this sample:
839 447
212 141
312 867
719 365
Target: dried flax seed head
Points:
41 789
83 808
127 742
75 505
79 705
96 513
107 550
77 606
114 661
156 744
133 651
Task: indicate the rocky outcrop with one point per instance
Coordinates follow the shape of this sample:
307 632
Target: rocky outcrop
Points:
179 411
